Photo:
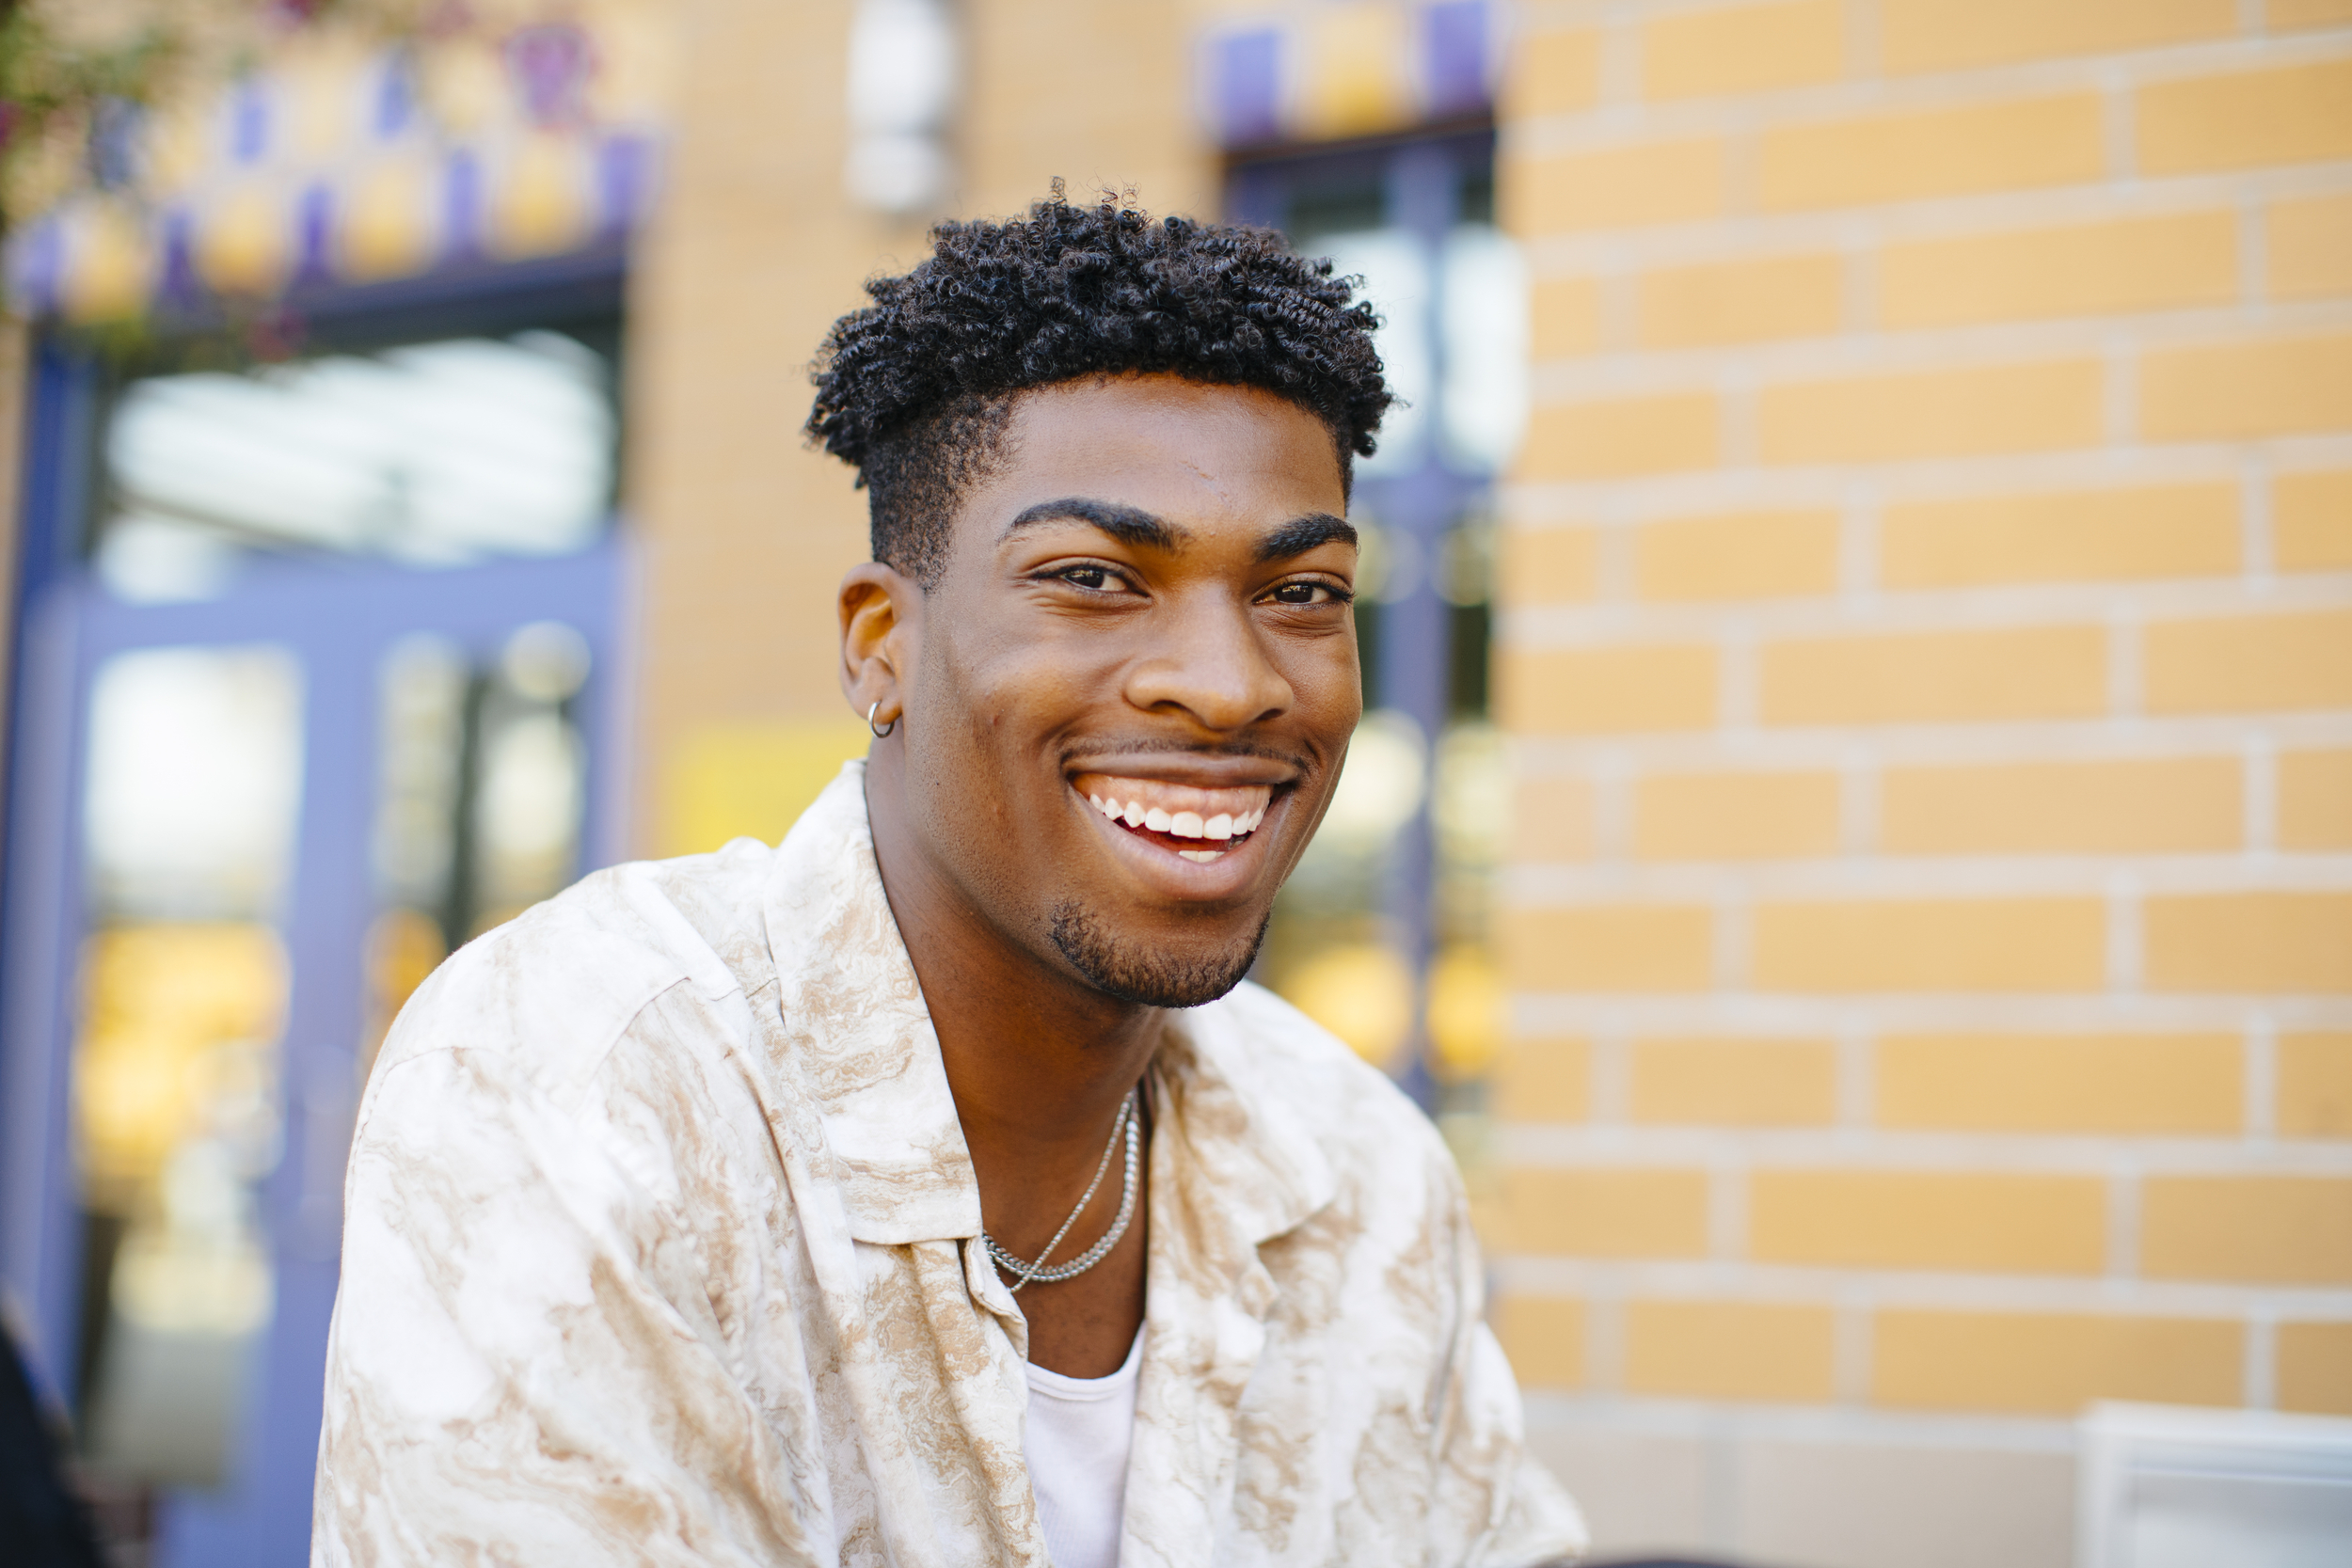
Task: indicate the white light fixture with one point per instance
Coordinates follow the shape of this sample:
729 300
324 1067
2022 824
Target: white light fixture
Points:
1394 266
901 92
1482 302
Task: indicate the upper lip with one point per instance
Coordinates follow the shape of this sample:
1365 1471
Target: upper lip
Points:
1200 769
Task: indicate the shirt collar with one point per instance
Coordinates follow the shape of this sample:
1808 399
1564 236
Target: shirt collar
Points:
864 1053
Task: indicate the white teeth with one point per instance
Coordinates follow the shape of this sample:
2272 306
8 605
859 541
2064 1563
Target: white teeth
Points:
1201 854
1183 824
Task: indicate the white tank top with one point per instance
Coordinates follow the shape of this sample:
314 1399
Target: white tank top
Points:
1076 1440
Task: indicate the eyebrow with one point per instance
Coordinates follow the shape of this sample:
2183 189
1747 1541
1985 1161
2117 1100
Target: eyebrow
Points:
1301 534
1129 525
1132 525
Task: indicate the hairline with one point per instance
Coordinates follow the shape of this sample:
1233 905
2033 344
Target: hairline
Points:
994 446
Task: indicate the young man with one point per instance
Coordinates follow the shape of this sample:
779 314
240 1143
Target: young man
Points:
931 1189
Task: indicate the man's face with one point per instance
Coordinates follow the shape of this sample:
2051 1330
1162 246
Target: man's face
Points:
1136 679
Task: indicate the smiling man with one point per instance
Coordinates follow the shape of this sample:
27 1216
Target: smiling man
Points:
931 1189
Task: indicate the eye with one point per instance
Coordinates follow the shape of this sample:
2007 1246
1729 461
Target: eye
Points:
1309 591
1093 578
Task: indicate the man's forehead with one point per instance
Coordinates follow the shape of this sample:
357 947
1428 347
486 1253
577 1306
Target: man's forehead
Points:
1145 411
1183 450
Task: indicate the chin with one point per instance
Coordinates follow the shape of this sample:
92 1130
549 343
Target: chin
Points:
1136 970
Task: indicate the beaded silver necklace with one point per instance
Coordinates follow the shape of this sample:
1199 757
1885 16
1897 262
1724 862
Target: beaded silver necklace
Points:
1029 1273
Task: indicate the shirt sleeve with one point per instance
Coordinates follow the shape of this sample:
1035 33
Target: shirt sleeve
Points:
1530 1521
1538 1522
520 1369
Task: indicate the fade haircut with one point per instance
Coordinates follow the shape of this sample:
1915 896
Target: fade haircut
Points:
916 390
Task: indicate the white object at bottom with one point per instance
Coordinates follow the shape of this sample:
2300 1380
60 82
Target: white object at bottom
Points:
1076 1441
2166 1487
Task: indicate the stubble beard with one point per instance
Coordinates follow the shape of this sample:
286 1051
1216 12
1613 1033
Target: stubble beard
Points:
1125 971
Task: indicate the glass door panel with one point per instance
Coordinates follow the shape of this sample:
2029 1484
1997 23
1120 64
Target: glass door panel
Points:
315 655
190 797
480 797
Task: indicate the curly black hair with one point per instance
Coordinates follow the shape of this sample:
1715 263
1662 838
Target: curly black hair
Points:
915 390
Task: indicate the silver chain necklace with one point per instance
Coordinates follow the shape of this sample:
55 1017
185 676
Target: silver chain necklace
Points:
1029 1273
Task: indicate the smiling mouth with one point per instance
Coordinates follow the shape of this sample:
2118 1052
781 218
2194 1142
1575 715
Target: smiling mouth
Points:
1199 824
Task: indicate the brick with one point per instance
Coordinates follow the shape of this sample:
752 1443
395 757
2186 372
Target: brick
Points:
1548 565
1545 1079
2228 392
1741 302
1743 49
2150 531
1551 74
1900 1219
1875 678
2050 1363
2140 806
2149 263
2315 1368
2253 1229
2250 663
2311 522
1544 1338
1977 945
1564 318
1551 819
1730 1350
2315 800
1634 688
1608 1214
1946 35
2314 1087
1618 439
2250 941
2119 1083
1612 948
1735 1083
1908 154
2310 247
1745 555
2290 15
1628 186
1735 815
1967 411
2288 114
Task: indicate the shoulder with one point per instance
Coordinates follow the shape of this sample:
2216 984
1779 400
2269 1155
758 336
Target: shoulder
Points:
549 992
1308 1076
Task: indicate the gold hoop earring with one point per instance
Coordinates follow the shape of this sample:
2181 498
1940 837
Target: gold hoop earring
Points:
880 730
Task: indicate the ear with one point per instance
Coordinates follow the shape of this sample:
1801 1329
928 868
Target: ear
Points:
881 621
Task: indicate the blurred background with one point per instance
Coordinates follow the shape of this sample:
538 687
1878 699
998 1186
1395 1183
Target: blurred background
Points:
1852 835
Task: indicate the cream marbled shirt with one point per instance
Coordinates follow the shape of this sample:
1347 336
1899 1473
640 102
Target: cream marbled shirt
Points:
660 1248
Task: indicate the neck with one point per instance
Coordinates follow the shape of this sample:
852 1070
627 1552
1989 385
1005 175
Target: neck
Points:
1037 1060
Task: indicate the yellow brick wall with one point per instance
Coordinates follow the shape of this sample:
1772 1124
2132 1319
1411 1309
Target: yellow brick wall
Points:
1928 649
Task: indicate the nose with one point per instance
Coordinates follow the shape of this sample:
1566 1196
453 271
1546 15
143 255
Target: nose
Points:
1209 662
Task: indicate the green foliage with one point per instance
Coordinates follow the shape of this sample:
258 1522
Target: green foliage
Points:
50 86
